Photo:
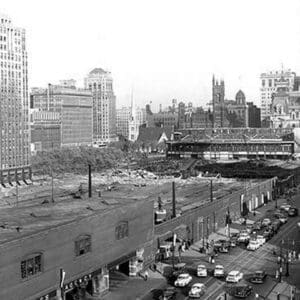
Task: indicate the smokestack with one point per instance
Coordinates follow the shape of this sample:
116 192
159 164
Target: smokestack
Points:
173 200
211 191
90 181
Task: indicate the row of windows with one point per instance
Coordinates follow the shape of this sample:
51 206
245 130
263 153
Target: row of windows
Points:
34 263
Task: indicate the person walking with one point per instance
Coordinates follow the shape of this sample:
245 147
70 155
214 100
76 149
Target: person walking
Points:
146 275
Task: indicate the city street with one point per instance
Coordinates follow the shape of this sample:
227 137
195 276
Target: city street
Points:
245 261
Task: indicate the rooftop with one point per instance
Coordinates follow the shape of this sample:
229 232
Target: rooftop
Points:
30 216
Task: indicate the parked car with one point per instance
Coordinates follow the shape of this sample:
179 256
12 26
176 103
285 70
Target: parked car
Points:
183 280
197 290
201 271
276 225
257 226
281 217
242 291
169 293
266 222
285 206
268 233
258 277
253 245
244 238
219 271
261 239
234 276
293 211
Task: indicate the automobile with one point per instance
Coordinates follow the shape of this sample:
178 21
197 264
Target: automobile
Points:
257 226
233 241
244 237
169 293
201 271
276 225
266 222
249 228
267 234
183 280
234 276
197 290
219 271
285 207
253 245
242 291
224 249
261 239
281 217
293 211
258 277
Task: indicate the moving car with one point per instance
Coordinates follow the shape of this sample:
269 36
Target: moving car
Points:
253 245
201 271
169 293
258 277
276 225
260 239
183 280
244 237
257 226
293 211
281 217
197 290
268 233
242 291
285 207
266 222
234 276
219 271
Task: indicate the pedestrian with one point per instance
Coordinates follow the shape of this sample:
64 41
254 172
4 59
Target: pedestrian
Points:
294 254
276 274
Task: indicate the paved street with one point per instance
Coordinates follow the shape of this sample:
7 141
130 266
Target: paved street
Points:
245 261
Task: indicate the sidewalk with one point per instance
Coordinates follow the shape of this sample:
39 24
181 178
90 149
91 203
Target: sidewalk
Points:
136 288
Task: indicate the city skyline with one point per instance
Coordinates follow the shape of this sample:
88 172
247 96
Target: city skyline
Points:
165 50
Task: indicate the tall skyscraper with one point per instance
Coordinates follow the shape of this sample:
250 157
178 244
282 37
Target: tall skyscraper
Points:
14 104
100 83
268 87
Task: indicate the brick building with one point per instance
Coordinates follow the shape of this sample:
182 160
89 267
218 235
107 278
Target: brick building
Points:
86 238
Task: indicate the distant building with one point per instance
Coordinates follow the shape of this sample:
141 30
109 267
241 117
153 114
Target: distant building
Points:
254 119
269 86
129 120
100 83
218 104
162 119
238 111
14 104
153 139
72 106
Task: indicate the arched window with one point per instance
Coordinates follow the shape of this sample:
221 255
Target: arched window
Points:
31 265
83 245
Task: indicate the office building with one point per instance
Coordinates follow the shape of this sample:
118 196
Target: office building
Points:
269 86
14 104
100 83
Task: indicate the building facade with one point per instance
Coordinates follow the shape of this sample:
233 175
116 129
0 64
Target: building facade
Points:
218 104
72 106
14 104
86 244
100 83
269 86
254 118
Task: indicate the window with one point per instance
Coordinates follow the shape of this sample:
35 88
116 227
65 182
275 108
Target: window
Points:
122 230
83 245
270 82
31 265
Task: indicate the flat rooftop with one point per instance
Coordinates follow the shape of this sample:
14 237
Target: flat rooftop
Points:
29 216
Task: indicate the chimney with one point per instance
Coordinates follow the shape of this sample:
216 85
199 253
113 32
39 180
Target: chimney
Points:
90 181
173 200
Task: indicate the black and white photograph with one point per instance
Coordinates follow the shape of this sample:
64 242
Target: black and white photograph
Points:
149 149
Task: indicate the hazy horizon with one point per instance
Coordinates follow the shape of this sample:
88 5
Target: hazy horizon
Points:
164 49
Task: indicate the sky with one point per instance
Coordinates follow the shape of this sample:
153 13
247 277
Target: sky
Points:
160 49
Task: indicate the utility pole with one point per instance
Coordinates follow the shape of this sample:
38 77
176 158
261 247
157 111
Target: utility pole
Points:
211 191
17 194
52 186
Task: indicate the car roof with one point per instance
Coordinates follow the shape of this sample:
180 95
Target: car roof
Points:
234 272
219 266
198 284
183 275
201 266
